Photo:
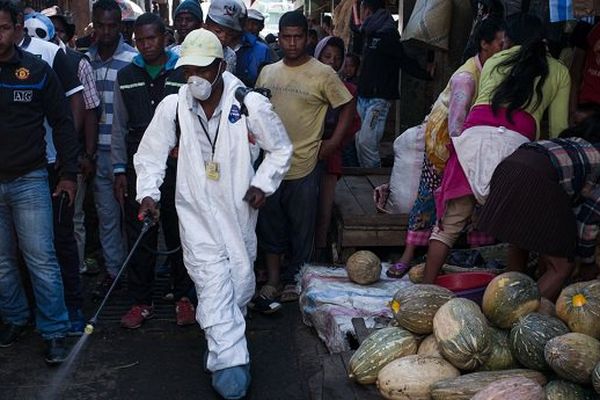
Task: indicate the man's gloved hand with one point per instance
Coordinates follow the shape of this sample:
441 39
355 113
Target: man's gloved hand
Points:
255 197
149 207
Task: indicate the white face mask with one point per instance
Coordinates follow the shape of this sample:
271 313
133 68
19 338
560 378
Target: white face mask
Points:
200 88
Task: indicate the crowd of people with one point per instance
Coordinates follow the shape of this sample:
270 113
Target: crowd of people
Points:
232 145
488 173
134 113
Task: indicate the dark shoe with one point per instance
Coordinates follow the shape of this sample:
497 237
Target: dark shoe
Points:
265 302
89 267
77 322
56 351
163 270
136 316
185 311
102 287
10 334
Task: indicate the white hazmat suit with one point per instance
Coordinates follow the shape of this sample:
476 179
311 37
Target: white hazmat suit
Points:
217 226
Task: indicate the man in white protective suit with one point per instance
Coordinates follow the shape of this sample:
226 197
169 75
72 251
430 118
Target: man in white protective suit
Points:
217 194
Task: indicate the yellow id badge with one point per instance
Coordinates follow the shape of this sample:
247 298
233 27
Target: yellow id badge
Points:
212 170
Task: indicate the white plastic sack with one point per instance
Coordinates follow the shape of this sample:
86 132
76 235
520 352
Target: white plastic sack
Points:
480 149
329 301
409 150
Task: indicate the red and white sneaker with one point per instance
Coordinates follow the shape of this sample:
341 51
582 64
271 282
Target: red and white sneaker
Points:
186 313
136 316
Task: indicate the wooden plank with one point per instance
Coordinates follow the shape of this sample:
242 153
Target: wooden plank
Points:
360 329
345 200
362 190
315 386
352 238
363 392
366 171
336 385
377 220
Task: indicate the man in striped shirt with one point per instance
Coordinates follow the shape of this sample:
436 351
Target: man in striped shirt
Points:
108 55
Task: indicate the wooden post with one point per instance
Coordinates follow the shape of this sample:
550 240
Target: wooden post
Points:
82 15
397 102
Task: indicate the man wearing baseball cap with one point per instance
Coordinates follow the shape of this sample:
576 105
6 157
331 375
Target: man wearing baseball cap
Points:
255 22
217 193
226 18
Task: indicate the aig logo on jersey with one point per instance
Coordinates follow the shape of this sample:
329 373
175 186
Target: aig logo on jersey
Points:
22 73
22 96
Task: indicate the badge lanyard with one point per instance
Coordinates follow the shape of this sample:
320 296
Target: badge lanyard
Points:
212 167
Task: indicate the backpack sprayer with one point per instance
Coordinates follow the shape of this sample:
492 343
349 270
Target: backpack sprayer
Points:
147 223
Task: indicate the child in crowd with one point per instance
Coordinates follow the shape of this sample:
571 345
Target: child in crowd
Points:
330 51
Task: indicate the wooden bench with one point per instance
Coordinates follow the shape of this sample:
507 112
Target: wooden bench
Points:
358 222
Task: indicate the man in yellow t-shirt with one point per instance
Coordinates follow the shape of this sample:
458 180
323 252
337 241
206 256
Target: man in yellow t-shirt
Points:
303 89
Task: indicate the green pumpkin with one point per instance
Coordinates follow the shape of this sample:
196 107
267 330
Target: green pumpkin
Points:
377 350
529 337
579 307
501 357
415 306
573 356
466 386
565 390
463 334
596 378
508 297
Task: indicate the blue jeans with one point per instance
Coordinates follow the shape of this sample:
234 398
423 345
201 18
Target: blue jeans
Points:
26 216
109 215
373 114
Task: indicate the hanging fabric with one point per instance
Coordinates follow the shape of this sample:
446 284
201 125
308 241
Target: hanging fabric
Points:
430 23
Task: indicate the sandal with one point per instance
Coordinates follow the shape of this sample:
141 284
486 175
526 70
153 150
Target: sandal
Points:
289 294
266 302
398 270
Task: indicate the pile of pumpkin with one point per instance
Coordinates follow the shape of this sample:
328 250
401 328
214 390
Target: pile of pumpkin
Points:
515 346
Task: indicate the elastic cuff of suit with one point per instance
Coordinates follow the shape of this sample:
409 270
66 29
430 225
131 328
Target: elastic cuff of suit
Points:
119 169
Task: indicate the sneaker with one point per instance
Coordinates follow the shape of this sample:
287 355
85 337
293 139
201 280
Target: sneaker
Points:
169 296
56 351
77 322
163 270
10 334
102 287
89 266
186 313
136 316
265 301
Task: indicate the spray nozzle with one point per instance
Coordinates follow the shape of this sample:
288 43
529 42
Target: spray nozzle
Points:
89 329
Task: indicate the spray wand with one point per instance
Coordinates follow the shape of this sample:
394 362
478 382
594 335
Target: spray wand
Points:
147 223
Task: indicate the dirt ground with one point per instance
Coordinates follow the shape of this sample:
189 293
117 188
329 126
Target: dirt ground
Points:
163 361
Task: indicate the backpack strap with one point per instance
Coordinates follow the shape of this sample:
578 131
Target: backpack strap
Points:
177 124
174 153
